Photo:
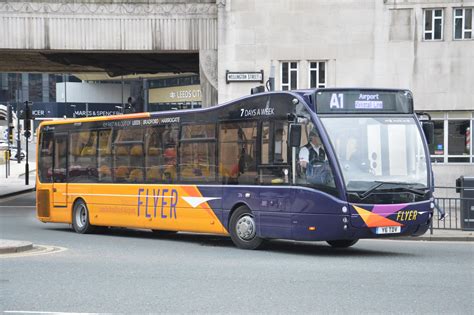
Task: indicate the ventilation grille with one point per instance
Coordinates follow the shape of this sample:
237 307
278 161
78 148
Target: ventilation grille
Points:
42 198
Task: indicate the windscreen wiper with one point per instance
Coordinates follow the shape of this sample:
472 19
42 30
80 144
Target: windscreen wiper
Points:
378 184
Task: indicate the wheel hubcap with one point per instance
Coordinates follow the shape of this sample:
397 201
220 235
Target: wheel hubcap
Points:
246 228
81 216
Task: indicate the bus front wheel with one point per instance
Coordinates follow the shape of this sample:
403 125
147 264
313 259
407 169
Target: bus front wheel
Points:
342 243
80 218
243 230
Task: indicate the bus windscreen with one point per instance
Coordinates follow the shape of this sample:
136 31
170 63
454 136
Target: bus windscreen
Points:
360 101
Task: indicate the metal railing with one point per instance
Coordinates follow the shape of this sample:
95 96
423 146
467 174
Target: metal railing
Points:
452 205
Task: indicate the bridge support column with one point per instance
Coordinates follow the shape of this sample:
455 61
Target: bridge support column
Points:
208 76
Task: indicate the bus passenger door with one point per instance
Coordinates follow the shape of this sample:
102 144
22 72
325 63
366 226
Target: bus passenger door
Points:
60 170
274 171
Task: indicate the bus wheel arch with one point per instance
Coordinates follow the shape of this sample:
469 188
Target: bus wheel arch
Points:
80 217
235 207
243 228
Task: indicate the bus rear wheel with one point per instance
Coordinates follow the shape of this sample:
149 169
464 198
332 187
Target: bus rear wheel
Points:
80 218
243 229
342 243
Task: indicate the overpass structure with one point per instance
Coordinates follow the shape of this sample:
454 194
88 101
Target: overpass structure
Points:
114 36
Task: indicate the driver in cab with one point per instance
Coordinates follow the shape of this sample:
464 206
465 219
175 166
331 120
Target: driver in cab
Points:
312 160
313 151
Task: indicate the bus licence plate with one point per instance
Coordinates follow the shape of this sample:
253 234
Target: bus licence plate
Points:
388 230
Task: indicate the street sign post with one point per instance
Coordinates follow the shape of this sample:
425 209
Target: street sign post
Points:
27 125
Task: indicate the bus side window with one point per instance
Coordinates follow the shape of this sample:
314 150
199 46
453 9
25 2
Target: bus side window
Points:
82 157
105 155
198 153
237 147
60 158
46 157
154 154
128 155
274 167
170 149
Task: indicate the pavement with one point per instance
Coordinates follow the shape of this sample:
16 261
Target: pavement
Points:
9 246
443 235
14 184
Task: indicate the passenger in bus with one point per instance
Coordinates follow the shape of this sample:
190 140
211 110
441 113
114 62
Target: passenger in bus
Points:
313 161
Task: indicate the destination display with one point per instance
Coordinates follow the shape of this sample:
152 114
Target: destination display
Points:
343 101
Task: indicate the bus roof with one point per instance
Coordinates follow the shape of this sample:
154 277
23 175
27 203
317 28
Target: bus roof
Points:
161 113
321 100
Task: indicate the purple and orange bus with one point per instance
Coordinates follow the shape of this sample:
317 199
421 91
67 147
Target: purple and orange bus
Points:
334 165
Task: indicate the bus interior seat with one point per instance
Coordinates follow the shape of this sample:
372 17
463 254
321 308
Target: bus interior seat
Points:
153 151
154 173
104 171
88 151
121 150
121 172
136 150
136 175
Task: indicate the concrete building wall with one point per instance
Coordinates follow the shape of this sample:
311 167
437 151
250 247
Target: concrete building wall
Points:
156 25
365 42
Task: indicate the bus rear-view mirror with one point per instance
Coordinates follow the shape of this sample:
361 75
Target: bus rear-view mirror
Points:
295 135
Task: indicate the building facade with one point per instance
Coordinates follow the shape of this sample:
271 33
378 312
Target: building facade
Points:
424 46
421 45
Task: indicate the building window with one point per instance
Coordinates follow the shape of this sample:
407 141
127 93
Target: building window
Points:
437 148
289 75
459 141
452 141
463 23
433 27
317 74
35 87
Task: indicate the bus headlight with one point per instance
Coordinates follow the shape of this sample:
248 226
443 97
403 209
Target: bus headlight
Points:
345 220
344 209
